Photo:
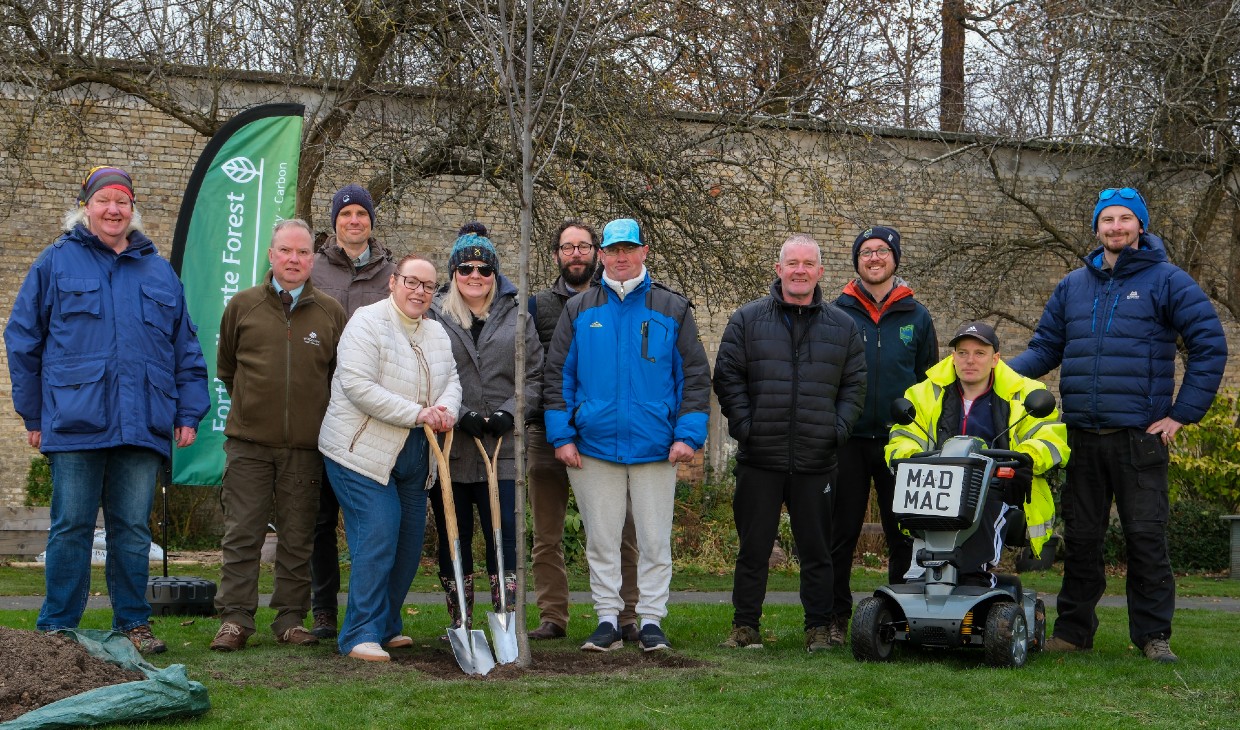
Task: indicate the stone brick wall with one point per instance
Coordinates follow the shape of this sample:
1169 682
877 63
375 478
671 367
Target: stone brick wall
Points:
856 180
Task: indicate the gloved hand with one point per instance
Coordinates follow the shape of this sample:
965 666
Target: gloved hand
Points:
472 424
1019 488
500 423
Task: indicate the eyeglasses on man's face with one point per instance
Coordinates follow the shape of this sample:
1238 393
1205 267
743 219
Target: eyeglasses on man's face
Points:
881 253
568 248
413 283
617 249
467 269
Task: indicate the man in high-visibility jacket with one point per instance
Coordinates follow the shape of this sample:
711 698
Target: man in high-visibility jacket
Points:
974 393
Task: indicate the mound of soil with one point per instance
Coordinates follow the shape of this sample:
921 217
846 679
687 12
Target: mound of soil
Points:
38 669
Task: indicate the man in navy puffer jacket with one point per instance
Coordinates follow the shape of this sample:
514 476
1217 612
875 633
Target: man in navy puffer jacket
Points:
1113 327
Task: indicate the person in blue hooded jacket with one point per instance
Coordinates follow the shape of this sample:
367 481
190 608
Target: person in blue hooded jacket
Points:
626 396
1112 328
106 371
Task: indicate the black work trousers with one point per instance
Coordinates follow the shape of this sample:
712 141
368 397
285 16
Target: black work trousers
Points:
325 559
760 495
1129 466
860 462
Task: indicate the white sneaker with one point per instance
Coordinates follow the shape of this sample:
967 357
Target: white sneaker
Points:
398 642
369 651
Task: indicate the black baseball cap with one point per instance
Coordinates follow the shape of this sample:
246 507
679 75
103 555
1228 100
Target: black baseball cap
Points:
977 330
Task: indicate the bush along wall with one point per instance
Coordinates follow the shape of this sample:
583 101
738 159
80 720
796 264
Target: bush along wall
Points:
1196 536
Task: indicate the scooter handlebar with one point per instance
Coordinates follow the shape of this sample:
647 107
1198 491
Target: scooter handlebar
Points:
1006 457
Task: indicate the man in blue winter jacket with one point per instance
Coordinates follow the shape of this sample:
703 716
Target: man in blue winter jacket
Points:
1112 326
626 393
107 374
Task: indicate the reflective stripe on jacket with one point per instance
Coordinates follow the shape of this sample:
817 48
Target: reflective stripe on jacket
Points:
1045 440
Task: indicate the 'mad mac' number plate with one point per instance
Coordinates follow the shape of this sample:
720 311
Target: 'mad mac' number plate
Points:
928 489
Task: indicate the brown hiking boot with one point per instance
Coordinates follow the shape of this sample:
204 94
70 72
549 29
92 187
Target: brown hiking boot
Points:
324 624
837 630
547 630
742 636
1056 645
230 637
1159 650
298 636
146 643
630 632
818 638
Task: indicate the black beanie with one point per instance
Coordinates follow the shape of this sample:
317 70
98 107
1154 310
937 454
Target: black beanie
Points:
352 194
890 235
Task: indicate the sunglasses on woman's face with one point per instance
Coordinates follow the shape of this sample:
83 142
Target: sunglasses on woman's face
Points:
467 269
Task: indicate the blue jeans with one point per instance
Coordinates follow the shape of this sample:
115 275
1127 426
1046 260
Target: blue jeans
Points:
384 524
122 479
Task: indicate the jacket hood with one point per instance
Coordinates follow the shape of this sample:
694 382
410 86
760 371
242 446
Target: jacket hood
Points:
336 255
1150 250
855 291
138 241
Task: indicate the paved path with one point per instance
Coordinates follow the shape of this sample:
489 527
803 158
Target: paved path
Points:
1230 605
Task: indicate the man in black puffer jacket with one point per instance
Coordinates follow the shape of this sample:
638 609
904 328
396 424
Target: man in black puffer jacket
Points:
791 379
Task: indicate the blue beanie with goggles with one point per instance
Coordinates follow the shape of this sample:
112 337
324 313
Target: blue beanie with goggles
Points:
1128 198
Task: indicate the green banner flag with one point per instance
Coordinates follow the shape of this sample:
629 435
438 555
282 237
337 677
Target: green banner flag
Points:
244 183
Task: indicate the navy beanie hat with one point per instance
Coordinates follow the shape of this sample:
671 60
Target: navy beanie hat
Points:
472 247
890 235
1128 198
352 194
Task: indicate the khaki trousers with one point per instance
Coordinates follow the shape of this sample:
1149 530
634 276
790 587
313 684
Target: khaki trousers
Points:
258 479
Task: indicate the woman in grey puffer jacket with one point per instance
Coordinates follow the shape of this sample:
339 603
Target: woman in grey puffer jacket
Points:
479 310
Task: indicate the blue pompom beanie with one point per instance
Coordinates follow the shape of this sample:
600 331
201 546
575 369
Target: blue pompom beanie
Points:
472 247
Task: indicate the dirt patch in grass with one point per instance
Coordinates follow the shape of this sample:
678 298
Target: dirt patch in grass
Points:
38 669
437 662
552 663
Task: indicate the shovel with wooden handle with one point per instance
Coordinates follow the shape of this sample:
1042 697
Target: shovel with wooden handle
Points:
504 625
470 647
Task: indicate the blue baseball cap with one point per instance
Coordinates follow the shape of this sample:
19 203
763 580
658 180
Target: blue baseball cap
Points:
1128 198
622 230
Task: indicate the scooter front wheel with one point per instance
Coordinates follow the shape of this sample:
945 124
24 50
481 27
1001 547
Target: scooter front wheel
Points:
873 638
1007 636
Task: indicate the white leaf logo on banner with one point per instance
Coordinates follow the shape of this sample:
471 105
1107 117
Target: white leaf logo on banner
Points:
240 170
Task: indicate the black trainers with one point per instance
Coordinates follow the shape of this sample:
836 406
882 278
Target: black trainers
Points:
324 624
605 638
653 638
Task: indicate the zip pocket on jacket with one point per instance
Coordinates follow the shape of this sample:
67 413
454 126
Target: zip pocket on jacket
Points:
360 430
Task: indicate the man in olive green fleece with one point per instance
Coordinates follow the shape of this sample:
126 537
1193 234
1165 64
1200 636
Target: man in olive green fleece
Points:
276 354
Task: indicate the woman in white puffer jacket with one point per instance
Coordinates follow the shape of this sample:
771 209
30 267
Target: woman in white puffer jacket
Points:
394 372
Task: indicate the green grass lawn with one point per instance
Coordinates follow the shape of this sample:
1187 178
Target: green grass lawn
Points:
15 581
274 686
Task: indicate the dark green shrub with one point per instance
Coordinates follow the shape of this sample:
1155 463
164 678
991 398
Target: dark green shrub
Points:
39 483
1198 539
